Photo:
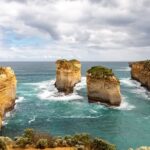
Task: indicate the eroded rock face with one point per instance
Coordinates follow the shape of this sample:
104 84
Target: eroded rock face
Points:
7 90
103 86
140 71
68 74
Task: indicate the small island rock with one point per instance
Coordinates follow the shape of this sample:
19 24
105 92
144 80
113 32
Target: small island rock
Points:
68 74
103 86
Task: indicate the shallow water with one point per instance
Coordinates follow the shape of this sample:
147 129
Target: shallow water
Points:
40 106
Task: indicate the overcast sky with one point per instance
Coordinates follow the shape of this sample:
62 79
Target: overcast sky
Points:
93 30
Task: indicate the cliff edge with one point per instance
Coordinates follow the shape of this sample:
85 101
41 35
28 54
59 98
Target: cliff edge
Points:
8 84
103 86
140 71
68 73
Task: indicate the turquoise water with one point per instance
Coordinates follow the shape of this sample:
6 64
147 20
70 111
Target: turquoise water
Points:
40 106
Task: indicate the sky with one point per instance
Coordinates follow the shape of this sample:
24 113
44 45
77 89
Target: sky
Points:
88 30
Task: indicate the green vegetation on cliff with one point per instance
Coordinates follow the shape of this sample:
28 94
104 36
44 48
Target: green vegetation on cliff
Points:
100 72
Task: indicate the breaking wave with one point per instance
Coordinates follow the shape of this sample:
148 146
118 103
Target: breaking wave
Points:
135 87
124 105
19 99
124 69
48 91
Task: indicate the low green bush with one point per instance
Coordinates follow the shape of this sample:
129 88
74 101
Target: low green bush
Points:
29 134
42 143
99 144
22 142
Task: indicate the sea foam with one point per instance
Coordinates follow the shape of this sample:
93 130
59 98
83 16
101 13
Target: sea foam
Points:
124 104
48 91
135 87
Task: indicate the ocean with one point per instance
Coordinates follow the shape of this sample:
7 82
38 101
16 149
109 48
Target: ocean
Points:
41 107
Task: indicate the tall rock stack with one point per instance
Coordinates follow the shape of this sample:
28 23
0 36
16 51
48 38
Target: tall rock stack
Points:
68 74
140 71
8 85
103 86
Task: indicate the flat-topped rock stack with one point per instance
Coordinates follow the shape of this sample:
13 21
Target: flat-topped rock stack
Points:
68 74
103 86
8 85
140 71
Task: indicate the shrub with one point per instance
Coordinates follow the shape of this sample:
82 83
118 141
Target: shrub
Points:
22 142
39 135
99 144
42 143
2 145
29 134
100 72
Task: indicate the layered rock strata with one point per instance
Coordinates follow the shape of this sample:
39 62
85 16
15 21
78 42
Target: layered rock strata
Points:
140 71
103 86
68 74
8 84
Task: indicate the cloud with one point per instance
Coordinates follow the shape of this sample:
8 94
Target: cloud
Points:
107 30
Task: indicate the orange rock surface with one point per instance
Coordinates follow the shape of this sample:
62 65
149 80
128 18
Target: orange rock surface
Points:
140 71
68 73
8 84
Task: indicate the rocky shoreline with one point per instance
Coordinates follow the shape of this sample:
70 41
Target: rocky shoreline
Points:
140 71
8 85
103 86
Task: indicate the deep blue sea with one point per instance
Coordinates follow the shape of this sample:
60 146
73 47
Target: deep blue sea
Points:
41 107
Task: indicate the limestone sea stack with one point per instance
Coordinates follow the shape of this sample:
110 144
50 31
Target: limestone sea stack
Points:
140 71
103 86
8 84
68 74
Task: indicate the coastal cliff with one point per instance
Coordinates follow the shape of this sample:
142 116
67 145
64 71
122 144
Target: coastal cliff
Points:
7 90
103 86
140 71
68 74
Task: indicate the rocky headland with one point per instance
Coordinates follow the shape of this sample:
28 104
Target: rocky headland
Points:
140 71
68 74
103 86
8 84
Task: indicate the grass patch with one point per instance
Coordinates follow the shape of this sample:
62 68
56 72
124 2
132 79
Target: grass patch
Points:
100 72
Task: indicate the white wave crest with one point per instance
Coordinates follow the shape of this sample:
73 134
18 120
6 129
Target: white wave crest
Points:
32 119
124 105
129 82
19 99
136 87
124 69
48 91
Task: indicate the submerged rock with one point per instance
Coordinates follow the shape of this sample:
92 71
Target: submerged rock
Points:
8 84
103 86
140 71
68 74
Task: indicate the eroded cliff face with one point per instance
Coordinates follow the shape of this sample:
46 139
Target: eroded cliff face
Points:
7 90
103 86
140 71
68 74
